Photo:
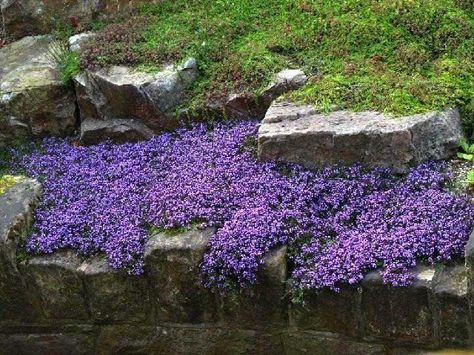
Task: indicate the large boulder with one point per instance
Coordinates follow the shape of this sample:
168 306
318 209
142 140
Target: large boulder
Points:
300 134
122 93
34 102
16 215
27 17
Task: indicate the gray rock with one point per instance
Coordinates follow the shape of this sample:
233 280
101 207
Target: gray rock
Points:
319 343
124 93
76 41
286 80
114 296
57 284
400 314
186 339
299 134
263 305
452 306
33 100
118 130
469 257
172 268
329 311
16 215
72 342
245 106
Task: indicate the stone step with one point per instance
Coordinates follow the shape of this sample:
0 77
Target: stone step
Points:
299 134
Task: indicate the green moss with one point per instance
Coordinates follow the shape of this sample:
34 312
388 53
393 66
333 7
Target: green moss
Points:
401 57
6 181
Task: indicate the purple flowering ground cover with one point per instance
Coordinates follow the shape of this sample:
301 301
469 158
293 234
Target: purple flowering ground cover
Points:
338 222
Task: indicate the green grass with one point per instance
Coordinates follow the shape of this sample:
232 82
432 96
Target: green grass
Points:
67 61
396 56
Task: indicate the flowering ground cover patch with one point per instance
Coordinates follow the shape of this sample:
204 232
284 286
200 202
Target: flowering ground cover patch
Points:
338 222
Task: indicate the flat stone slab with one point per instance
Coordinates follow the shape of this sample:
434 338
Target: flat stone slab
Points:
34 102
118 130
299 134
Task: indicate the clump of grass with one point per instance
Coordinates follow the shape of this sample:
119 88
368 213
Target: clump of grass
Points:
400 57
66 60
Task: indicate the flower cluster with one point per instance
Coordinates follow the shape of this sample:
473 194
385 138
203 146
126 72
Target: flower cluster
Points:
338 222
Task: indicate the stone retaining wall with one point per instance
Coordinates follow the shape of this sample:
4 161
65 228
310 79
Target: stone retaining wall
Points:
61 304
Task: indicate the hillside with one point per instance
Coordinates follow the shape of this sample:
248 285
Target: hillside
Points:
400 57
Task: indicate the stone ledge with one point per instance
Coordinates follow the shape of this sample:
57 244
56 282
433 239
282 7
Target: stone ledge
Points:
298 134
61 298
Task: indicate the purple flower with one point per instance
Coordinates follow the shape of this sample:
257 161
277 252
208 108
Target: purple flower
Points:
338 222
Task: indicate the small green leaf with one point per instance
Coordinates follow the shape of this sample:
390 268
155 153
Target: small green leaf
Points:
464 145
465 156
470 177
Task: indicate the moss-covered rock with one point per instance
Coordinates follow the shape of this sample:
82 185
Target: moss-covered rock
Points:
34 102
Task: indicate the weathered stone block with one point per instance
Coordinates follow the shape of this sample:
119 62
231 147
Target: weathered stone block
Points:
184 340
299 134
398 314
117 130
73 340
114 296
452 306
126 94
469 257
57 284
33 100
315 343
16 215
173 273
328 311
263 305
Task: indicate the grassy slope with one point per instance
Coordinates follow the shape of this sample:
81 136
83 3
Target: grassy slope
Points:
398 56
